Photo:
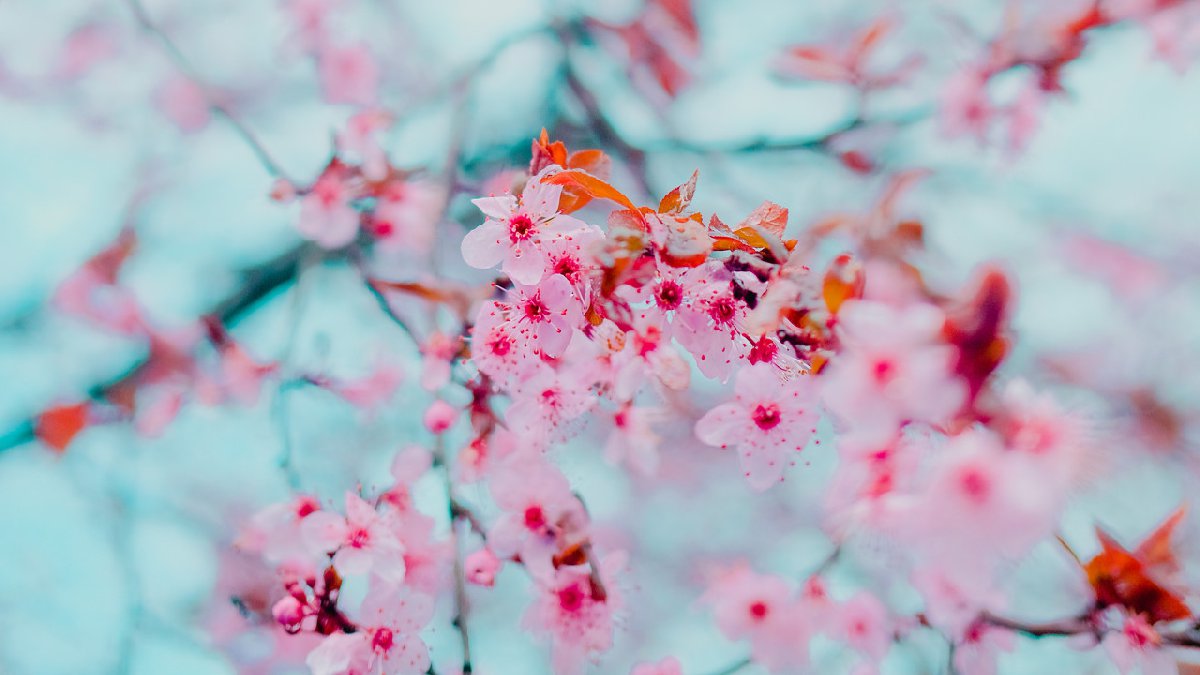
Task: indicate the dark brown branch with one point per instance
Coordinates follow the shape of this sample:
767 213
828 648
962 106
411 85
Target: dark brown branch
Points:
259 283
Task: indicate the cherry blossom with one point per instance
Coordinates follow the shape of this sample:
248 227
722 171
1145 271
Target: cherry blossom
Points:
326 215
575 614
893 369
389 645
540 512
770 418
360 541
761 608
517 231
348 74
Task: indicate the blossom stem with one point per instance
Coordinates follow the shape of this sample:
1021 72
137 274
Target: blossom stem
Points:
455 510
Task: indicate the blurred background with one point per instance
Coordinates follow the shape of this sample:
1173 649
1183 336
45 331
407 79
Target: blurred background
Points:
113 552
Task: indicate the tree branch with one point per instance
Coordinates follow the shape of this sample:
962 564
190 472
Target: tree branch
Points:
214 104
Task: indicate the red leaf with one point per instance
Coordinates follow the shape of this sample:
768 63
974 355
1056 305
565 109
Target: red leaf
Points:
681 11
769 217
545 153
592 161
814 63
591 186
57 426
1119 577
678 200
843 280
865 41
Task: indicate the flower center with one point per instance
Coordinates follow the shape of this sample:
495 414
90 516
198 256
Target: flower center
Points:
722 310
534 518
500 345
884 371
763 351
567 266
535 310
570 598
383 640
766 416
974 484
306 506
359 537
328 191
520 227
669 295
759 610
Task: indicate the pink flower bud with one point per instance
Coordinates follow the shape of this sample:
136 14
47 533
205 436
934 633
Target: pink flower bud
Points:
288 612
283 191
440 416
481 567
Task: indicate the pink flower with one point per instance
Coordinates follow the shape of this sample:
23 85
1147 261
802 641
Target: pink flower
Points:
406 216
538 318
862 623
275 532
572 254
990 502
646 352
373 390
953 604
762 609
540 512
326 216
388 643
242 376
893 369
481 567
769 419
87 46
348 75
576 616
515 232
548 313
407 468
184 103
440 416
633 440
544 399
359 140
966 108
360 541
976 653
1137 648
1054 439
437 352
874 479
709 319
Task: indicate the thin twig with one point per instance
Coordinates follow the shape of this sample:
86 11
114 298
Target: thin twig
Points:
258 284
455 510
211 99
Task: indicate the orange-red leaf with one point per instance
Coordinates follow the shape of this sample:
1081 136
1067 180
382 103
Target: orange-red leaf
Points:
769 216
865 41
591 186
844 280
544 153
1155 550
57 426
678 200
1119 577
592 161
